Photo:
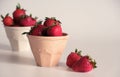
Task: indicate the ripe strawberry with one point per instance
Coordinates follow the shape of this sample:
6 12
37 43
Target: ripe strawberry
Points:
73 57
18 13
7 20
51 21
55 30
28 21
85 64
37 30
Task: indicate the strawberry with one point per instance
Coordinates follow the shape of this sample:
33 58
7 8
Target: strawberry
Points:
18 13
51 21
28 21
85 64
37 30
73 57
55 30
7 20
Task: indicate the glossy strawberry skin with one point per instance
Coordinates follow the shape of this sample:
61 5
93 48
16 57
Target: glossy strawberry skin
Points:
82 65
37 31
51 21
8 21
72 58
18 13
54 31
28 21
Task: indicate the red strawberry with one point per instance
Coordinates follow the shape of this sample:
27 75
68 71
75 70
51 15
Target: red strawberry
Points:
37 30
28 21
51 21
7 20
73 57
84 64
55 30
18 13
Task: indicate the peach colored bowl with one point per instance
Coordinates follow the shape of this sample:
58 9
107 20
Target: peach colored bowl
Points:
18 41
47 50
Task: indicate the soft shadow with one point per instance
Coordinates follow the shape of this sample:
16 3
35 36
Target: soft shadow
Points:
16 59
62 66
5 47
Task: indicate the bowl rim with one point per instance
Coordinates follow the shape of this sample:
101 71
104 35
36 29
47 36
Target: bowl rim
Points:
65 35
17 28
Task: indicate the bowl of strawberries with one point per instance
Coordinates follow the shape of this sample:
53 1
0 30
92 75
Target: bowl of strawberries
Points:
15 25
47 42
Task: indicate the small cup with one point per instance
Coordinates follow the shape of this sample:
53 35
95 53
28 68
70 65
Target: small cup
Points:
18 41
47 50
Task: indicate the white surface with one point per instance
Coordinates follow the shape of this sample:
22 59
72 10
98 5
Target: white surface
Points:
93 26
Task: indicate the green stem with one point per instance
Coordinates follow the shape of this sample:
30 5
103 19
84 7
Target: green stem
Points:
18 6
2 16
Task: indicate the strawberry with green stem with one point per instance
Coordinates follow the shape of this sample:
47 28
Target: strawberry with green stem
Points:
51 21
18 13
73 57
28 20
85 64
7 20
37 29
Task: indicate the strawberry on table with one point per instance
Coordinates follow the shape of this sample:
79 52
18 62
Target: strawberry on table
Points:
85 64
73 57
7 20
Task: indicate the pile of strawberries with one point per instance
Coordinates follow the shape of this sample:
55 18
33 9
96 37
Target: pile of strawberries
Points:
20 18
80 63
50 27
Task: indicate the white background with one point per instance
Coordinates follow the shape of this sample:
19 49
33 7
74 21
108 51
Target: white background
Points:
93 27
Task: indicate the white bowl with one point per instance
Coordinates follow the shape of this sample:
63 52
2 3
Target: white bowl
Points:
18 41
